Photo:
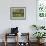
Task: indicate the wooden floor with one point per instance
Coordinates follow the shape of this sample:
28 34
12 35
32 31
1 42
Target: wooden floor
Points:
13 44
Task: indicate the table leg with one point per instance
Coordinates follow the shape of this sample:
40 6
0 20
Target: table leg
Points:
5 40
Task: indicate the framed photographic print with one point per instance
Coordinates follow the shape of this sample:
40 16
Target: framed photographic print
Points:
17 13
41 12
41 8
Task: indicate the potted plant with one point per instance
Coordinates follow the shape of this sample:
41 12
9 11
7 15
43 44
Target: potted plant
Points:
39 35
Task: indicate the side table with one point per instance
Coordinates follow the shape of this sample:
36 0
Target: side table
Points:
8 34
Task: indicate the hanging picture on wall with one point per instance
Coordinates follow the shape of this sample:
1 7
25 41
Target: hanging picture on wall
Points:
17 13
41 12
41 8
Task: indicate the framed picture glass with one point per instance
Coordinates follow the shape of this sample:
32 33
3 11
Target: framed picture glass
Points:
41 12
17 13
41 8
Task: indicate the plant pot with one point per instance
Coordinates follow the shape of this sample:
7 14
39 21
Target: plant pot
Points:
40 41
